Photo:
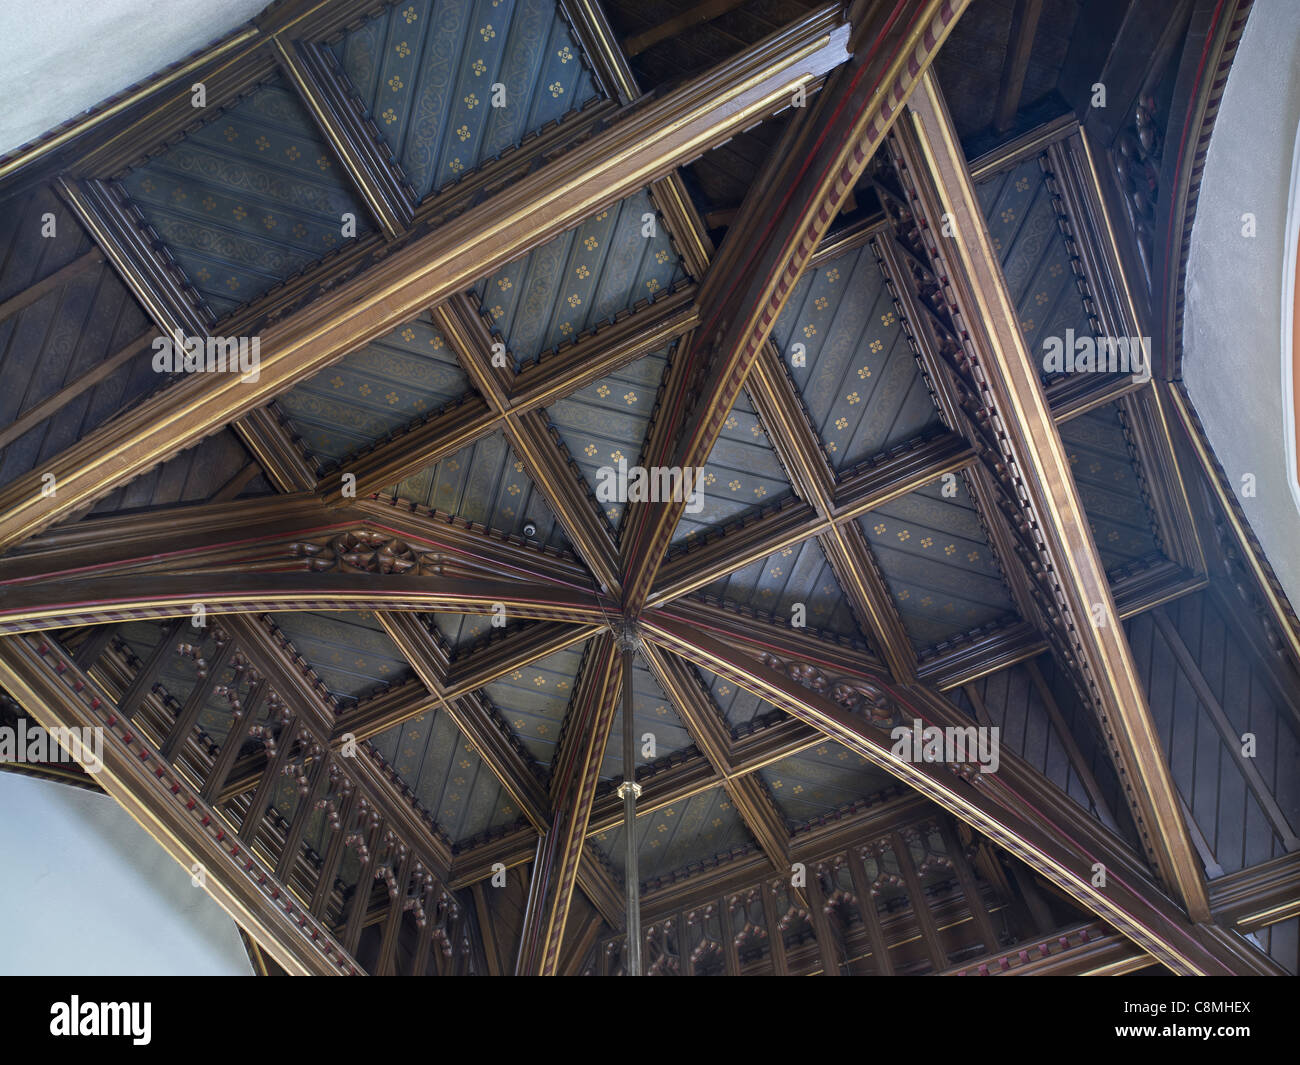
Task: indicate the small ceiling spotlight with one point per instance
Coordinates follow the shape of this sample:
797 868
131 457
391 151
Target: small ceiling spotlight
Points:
530 529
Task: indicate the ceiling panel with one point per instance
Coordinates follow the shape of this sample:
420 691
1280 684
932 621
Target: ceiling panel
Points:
485 483
393 381
704 826
446 775
350 651
1022 217
62 336
860 383
425 72
606 423
813 782
248 199
742 475
533 699
795 574
937 562
1106 473
193 476
580 278
737 705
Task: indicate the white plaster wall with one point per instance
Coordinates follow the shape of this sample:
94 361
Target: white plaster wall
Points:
85 891
61 57
1232 329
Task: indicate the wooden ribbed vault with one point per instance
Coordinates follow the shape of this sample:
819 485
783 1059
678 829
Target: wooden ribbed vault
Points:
759 246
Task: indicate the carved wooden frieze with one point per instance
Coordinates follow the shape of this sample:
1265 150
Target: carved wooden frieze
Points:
850 693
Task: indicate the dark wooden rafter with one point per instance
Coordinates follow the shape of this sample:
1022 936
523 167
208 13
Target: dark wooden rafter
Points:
1054 523
1020 44
32 607
575 773
1131 900
432 266
782 222
324 89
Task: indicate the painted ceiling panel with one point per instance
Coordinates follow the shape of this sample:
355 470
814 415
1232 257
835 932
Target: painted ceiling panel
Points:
737 705
460 632
1021 214
62 336
193 476
607 421
449 779
407 375
349 650
533 699
673 837
937 563
741 475
579 279
795 574
485 483
1107 478
860 385
828 776
247 200
651 713
425 70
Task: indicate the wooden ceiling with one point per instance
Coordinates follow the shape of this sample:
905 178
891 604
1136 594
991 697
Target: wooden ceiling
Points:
847 469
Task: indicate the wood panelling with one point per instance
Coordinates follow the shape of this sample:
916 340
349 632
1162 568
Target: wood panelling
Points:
1208 772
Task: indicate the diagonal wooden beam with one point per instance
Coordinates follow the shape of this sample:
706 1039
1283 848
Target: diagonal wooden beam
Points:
570 499
576 772
855 569
1130 900
464 677
707 727
781 224
762 818
1035 459
489 739
1020 43
615 163
591 357
324 90
528 433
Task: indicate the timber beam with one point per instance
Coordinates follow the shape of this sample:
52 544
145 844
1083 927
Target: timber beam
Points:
1033 459
1132 901
781 224
576 773
611 165
56 693
32 607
